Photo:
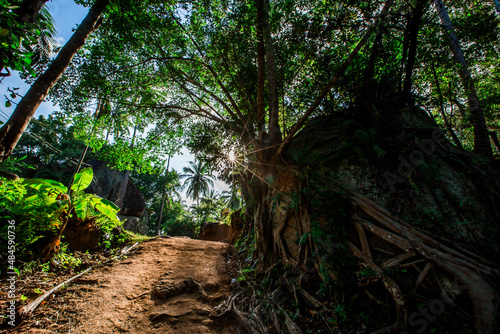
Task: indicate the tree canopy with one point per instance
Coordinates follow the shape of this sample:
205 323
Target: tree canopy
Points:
258 89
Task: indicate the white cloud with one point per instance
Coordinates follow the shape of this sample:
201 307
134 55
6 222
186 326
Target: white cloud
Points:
59 40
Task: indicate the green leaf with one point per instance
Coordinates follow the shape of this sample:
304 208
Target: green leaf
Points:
32 199
107 211
26 60
82 180
32 72
111 204
4 31
44 183
107 208
303 239
81 208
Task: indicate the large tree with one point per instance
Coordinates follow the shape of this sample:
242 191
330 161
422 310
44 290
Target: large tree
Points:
252 76
481 136
26 108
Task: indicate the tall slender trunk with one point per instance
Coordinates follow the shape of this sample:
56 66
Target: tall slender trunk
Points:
263 225
441 109
415 22
481 138
25 110
84 153
127 174
273 125
369 85
261 64
494 137
163 195
404 53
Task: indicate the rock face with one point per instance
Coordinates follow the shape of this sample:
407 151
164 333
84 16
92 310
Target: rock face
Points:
413 172
223 232
108 184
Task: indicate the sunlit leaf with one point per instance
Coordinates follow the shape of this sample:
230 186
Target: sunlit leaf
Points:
38 184
81 208
82 179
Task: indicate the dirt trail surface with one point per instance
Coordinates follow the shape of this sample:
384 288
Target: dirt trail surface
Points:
168 285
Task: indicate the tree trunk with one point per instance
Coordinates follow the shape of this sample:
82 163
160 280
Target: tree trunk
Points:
25 110
443 114
84 153
368 92
163 195
127 174
416 20
494 137
273 127
404 53
261 64
481 139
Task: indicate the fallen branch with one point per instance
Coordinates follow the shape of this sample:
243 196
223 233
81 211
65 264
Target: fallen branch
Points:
28 309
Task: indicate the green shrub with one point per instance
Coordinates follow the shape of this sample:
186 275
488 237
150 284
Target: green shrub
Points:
41 208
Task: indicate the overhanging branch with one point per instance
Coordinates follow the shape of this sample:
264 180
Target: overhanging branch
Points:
333 81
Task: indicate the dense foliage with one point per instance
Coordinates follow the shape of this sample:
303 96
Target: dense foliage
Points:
244 85
41 209
25 42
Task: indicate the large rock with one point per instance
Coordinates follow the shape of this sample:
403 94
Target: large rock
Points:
108 183
414 172
223 232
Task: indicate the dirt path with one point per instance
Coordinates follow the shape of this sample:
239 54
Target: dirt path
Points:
166 286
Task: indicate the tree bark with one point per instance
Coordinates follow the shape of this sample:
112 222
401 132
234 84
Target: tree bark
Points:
404 53
11 132
415 22
369 84
494 137
273 125
127 175
163 195
261 64
481 138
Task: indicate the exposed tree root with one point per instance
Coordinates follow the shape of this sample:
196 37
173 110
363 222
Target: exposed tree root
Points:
413 266
384 244
472 272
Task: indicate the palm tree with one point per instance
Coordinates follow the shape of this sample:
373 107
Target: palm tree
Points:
197 180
